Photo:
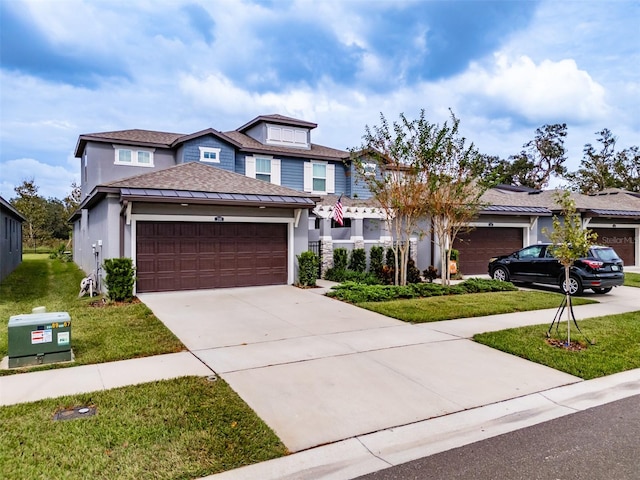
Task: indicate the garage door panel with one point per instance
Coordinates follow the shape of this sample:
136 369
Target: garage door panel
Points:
185 256
477 246
622 240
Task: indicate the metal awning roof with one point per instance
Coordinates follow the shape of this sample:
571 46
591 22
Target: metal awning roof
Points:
516 209
217 198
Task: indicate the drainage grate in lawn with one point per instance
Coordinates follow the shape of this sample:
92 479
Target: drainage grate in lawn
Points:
75 412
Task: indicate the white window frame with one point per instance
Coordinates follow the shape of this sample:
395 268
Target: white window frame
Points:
287 136
263 173
206 150
134 156
330 178
250 167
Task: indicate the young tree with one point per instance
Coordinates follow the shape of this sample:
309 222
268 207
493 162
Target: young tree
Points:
454 190
570 242
421 169
541 158
390 166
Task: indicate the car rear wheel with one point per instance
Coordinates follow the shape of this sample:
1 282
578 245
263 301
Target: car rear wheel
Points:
501 274
602 290
575 285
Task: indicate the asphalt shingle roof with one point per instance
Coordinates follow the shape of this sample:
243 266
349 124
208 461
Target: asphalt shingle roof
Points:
316 151
622 202
198 177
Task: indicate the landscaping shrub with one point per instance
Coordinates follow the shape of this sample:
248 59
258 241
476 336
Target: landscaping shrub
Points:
340 258
430 273
413 273
376 260
308 263
120 278
336 275
390 260
358 260
356 293
61 254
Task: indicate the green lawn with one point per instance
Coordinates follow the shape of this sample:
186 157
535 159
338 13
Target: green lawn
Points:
433 309
632 279
616 348
101 333
183 428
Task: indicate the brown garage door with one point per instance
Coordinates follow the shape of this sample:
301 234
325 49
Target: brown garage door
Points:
480 244
621 239
190 256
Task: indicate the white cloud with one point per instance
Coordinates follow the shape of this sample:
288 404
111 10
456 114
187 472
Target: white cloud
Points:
52 181
537 92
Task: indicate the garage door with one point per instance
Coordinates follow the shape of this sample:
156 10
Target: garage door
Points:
479 245
621 239
189 256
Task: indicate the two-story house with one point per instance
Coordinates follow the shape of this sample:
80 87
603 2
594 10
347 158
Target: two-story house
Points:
213 209
218 209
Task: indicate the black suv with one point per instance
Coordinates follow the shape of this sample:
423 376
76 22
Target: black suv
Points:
600 270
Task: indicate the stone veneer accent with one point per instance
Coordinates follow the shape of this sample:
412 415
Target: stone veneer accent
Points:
326 255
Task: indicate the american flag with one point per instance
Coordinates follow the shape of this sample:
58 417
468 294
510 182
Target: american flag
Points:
337 212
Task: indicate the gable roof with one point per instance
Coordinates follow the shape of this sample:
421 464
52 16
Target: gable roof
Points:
249 145
612 203
278 120
147 138
202 133
244 143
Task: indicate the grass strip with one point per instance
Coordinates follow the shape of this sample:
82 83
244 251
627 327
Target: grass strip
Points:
616 348
175 429
434 309
632 279
99 332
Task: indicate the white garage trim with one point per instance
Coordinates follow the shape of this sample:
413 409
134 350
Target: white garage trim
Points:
141 217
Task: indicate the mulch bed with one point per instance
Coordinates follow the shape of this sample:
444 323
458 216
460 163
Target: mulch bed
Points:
103 302
572 346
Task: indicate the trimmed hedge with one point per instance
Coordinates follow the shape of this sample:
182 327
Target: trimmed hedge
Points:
356 292
308 263
120 279
342 275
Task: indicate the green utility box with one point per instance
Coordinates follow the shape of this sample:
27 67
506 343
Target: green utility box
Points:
38 338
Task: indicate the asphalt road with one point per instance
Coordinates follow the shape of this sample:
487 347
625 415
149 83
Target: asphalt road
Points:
599 443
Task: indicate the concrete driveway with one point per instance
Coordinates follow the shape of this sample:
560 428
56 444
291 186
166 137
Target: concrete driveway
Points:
318 370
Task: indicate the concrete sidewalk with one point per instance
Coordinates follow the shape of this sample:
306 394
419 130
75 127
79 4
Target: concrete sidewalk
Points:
29 387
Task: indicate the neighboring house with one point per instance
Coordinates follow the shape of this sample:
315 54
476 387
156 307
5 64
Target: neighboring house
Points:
221 209
516 217
10 238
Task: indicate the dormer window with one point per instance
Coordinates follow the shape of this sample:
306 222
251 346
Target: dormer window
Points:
210 155
136 157
287 136
369 169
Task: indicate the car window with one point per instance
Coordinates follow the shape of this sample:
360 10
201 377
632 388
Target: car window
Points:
604 254
549 253
530 252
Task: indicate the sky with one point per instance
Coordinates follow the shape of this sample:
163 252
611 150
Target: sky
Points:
505 68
